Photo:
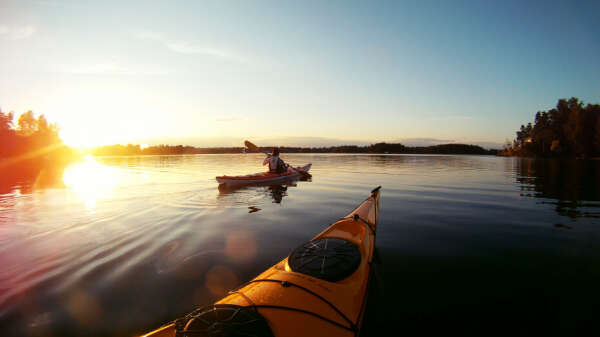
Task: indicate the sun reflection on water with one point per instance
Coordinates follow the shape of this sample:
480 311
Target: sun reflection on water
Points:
91 181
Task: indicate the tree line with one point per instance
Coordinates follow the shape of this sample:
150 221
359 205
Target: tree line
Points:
130 150
31 152
29 137
378 148
571 129
393 148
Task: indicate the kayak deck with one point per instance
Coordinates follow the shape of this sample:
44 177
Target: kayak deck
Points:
299 296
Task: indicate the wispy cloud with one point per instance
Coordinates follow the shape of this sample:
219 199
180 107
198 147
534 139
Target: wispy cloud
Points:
107 69
16 33
189 48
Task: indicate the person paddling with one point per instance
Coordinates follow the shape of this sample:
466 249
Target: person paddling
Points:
276 164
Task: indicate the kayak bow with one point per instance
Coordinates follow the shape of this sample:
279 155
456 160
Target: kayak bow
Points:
319 290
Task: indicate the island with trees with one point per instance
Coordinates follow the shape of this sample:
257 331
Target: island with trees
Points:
571 129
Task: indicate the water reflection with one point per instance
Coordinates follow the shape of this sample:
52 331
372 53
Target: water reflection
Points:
29 176
572 186
85 245
91 180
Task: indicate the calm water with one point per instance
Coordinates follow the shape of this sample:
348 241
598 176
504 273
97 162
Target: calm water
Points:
469 245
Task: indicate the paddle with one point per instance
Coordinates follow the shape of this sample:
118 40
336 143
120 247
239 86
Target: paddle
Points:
255 148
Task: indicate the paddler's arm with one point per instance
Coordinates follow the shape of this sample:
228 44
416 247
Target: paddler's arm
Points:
267 160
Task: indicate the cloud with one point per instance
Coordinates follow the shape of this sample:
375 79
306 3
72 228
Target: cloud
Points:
107 69
16 33
187 47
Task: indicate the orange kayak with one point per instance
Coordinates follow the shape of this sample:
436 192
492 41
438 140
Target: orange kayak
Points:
320 289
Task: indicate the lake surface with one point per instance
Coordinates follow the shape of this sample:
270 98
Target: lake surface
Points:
470 245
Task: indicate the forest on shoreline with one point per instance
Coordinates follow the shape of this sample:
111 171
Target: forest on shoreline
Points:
30 139
378 148
31 151
571 129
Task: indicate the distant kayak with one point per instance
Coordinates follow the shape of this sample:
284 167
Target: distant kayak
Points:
264 177
320 289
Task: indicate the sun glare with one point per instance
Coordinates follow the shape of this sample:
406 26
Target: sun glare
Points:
91 181
98 115
82 139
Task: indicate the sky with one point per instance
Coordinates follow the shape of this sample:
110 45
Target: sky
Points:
212 73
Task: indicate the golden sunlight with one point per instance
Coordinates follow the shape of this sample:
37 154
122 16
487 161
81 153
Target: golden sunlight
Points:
91 181
97 116
82 138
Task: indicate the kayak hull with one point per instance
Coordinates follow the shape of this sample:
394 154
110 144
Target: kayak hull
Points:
294 303
264 177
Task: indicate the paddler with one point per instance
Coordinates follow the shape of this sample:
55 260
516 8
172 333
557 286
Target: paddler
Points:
276 164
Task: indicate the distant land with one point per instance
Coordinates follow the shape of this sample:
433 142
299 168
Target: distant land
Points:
308 142
378 148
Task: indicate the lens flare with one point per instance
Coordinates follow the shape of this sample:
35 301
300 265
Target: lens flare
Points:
219 280
241 246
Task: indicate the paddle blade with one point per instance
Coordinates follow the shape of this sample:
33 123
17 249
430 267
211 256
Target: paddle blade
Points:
251 146
303 170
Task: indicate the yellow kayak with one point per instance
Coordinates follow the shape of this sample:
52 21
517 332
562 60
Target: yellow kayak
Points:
319 290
